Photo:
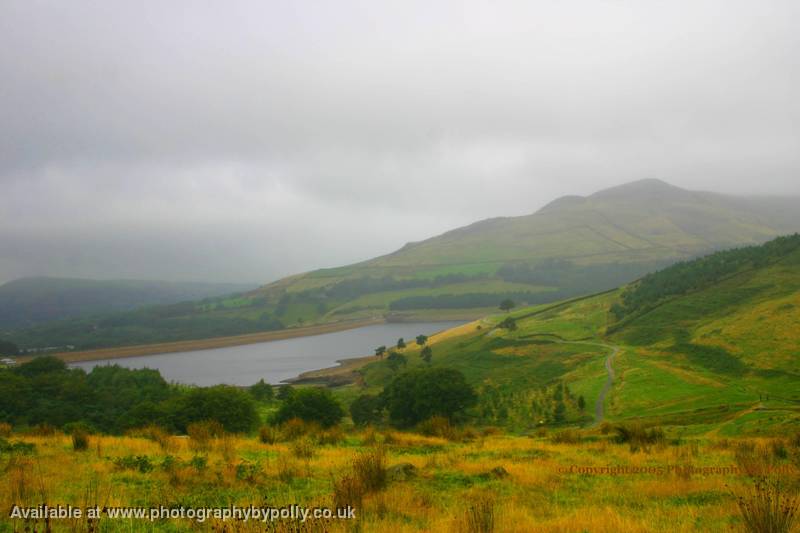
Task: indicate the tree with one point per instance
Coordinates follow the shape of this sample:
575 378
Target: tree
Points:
262 391
507 305
581 403
230 406
401 343
396 360
380 351
426 354
285 392
508 323
366 409
560 412
420 394
311 405
421 340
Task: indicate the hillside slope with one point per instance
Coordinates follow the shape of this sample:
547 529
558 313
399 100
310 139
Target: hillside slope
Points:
714 346
573 246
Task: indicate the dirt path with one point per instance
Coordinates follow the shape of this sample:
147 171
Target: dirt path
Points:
599 406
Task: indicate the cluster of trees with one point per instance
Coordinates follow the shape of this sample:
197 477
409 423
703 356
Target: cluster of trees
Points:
144 326
473 299
578 278
688 276
112 399
552 405
415 396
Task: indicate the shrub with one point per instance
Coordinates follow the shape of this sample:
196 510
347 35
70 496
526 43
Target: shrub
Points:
80 440
636 435
767 508
479 514
437 426
567 436
370 468
296 428
330 436
303 449
311 405
201 433
268 435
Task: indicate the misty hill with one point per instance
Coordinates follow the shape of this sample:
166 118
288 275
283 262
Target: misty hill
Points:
572 246
29 301
711 343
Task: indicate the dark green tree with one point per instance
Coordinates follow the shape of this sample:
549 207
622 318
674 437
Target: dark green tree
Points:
285 392
581 403
507 305
311 405
380 351
401 343
426 354
396 360
231 406
508 323
419 394
366 409
262 391
421 340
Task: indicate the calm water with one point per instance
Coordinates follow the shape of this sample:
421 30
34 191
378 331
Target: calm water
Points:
273 361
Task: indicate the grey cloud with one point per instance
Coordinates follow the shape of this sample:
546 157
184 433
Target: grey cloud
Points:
247 140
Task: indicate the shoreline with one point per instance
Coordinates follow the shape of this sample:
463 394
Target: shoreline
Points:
122 352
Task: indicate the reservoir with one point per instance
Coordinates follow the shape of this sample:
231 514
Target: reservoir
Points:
273 361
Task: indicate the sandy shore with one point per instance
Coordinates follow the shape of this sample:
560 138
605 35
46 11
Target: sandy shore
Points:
207 344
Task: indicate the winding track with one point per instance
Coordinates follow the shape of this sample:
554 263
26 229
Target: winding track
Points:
599 406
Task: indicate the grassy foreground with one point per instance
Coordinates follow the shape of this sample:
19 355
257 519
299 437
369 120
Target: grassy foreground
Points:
472 481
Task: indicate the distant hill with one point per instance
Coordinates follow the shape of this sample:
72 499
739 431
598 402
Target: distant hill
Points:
712 344
30 301
575 245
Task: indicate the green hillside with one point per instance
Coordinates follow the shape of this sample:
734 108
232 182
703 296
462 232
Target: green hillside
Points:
711 344
571 247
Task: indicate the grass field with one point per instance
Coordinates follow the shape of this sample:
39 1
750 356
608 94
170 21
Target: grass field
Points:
475 481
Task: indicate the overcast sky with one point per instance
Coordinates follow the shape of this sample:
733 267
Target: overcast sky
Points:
242 141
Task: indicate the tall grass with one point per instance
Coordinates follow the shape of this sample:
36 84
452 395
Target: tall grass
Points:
768 508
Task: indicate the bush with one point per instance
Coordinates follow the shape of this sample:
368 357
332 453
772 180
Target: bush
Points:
370 469
567 436
366 409
420 394
80 440
437 426
311 405
638 436
479 514
303 449
268 435
201 433
296 428
767 508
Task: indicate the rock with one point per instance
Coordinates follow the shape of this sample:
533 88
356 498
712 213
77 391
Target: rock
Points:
401 472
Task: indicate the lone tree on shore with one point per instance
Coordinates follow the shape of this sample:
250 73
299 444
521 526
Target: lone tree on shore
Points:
380 351
401 343
421 340
507 305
